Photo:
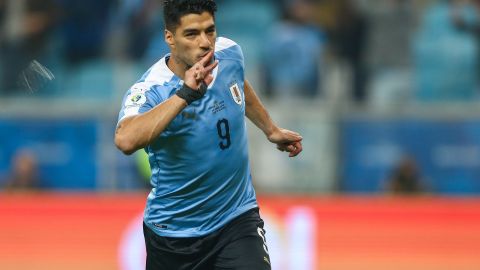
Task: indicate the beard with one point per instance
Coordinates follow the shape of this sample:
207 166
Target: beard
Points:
183 60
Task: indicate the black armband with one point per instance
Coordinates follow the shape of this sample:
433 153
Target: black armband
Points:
190 94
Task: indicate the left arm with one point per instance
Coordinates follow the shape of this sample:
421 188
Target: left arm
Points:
285 140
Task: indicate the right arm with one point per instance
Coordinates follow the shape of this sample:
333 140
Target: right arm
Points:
136 132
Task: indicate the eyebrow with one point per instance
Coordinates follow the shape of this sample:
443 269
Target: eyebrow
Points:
212 27
195 30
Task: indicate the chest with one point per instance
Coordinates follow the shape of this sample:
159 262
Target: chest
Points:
223 104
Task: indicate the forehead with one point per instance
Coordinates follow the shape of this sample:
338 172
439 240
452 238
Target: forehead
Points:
196 21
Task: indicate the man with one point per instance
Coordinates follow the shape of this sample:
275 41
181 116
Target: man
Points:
188 112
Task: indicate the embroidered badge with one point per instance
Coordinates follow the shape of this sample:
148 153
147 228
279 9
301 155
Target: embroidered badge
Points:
236 94
135 99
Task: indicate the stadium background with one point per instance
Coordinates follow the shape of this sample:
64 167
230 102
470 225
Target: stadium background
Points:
382 91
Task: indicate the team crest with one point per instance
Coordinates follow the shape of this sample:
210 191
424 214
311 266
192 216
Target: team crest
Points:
236 94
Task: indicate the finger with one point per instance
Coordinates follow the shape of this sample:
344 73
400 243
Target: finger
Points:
290 148
198 76
195 70
291 136
298 149
206 59
200 73
208 80
210 67
291 132
208 72
285 147
296 136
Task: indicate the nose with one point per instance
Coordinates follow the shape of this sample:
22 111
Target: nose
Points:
204 41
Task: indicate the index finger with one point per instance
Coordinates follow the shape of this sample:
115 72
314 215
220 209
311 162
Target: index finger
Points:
206 59
211 66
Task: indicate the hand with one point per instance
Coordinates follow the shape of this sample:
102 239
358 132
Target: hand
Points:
201 72
287 140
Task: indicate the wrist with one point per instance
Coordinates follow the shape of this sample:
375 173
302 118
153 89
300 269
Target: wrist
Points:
189 94
180 100
269 131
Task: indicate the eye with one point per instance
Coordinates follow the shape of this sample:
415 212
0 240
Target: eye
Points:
190 34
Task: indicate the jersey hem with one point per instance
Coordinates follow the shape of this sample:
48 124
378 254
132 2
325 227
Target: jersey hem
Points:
180 234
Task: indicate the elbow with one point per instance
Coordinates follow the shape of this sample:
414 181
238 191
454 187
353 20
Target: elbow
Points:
124 144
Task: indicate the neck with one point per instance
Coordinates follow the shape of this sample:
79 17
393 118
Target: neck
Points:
177 66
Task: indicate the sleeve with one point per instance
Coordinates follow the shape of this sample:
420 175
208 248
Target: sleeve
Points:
229 49
139 98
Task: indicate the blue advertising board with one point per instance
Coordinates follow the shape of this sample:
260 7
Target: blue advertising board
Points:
64 149
447 153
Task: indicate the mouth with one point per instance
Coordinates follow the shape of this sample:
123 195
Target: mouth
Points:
204 54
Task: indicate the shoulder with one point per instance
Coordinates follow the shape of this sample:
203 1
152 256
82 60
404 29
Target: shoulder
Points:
154 86
223 43
159 78
158 74
228 49
147 91
141 97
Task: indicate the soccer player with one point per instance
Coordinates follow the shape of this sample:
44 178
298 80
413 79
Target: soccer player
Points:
188 112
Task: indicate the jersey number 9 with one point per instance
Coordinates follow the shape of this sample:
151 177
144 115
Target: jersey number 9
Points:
224 133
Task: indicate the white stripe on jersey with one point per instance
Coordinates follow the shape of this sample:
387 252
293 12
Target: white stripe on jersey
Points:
223 43
161 74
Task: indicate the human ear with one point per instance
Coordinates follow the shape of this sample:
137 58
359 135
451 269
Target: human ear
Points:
169 38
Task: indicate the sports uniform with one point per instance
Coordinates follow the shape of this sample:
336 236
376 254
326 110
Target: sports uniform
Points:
202 189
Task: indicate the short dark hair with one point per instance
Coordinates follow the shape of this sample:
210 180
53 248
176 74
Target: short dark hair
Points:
174 10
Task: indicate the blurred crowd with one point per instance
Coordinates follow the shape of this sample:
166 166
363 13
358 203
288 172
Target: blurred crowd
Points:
366 53
385 51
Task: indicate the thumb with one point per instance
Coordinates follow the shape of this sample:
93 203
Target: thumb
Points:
293 136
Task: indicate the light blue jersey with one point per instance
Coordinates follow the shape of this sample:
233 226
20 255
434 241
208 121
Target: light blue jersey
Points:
200 169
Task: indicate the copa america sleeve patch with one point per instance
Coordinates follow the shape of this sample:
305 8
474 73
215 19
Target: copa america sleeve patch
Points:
132 104
135 99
